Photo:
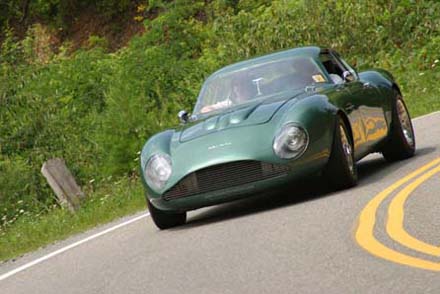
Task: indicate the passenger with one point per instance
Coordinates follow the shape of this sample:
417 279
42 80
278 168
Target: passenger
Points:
241 91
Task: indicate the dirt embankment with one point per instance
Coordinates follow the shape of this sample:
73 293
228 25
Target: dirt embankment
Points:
116 31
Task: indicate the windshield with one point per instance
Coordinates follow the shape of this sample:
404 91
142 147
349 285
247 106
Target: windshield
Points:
257 81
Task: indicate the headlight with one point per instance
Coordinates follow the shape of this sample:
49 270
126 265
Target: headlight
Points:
158 170
291 141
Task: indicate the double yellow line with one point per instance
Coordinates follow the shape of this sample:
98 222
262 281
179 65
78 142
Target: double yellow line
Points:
394 227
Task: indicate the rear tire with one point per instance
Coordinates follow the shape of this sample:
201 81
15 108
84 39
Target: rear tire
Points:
165 220
341 170
401 143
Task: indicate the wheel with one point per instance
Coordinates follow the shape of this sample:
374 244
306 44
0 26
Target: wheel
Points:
401 143
341 170
165 220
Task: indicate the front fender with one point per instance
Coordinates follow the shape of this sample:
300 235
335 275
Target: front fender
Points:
159 143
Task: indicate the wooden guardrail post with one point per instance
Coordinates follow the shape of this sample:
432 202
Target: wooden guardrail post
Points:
60 179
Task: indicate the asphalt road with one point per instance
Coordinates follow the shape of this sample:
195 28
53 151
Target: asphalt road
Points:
305 241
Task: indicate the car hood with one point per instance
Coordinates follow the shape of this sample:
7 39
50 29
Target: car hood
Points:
258 112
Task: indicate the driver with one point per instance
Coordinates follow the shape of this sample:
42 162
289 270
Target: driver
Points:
240 93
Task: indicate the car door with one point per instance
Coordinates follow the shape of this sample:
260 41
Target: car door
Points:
371 107
356 97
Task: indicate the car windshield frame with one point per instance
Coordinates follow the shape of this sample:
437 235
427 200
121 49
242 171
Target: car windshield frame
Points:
285 74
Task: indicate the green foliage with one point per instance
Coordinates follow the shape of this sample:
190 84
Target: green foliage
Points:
15 189
49 111
98 42
59 13
96 109
11 50
141 101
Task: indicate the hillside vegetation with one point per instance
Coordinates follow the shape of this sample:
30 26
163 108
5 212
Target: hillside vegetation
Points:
96 107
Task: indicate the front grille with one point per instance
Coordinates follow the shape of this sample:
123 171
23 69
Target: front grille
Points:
223 176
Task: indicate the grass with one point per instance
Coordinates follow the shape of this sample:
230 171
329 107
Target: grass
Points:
419 91
31 232
420 102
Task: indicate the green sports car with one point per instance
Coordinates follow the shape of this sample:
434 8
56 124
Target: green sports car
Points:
267 121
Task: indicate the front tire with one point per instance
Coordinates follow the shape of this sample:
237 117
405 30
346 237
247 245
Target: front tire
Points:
341 170
165 220
401 143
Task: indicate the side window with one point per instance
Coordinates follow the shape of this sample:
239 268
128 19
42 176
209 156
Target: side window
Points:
334 67
349 68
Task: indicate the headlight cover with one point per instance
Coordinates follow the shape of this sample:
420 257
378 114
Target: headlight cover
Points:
158 170
290 142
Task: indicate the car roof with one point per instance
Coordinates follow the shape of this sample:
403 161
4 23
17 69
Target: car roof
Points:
311 51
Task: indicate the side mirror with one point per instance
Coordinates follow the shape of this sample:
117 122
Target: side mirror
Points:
348 76
183 116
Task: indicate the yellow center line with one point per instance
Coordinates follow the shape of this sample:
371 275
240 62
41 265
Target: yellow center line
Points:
396 215
367 219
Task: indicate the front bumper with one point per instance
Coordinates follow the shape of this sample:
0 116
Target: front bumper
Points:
299 170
